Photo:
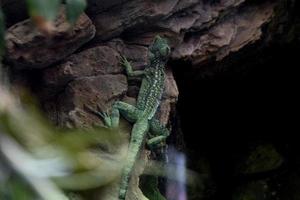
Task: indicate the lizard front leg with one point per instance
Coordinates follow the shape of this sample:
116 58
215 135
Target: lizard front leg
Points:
129 70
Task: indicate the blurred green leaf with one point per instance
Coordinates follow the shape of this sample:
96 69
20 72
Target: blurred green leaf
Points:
43 155
74 9
19 190
46 9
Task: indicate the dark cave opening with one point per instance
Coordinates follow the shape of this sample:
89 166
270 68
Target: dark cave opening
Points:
228 107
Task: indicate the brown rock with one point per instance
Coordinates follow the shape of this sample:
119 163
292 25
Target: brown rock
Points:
28 48
100 90
135 53
91 62
171 90
100 60
230 35
199 16
133 13
197 30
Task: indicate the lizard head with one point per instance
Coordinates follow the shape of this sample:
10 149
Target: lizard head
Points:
159 50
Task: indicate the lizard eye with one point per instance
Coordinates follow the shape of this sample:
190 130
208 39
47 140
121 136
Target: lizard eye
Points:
165 51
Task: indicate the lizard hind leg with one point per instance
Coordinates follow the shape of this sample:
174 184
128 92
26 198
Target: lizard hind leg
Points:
129 112
159 134
156 142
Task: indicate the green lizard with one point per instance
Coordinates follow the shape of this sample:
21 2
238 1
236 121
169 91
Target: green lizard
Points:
142 115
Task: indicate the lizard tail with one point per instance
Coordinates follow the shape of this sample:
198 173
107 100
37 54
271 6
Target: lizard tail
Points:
138 133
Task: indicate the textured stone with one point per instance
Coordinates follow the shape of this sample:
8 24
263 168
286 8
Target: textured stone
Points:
230 35
133 13
135 53
199 16
91 62
29 48
98 90
198 30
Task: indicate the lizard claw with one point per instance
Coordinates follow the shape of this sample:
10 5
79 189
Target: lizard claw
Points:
103 115
124 61
100 112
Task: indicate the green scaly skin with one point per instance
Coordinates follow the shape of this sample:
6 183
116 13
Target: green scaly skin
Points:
142 115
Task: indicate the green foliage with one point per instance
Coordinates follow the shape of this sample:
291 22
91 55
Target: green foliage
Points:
16 189
46 9
74 9
48 160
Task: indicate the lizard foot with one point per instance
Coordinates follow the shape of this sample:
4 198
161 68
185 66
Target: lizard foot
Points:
125 62
99 113
157 142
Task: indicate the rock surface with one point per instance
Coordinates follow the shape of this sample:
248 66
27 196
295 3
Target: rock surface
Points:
198 30
202 30
229 35
29 48
100 60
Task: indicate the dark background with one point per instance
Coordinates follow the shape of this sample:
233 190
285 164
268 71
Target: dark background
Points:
250 98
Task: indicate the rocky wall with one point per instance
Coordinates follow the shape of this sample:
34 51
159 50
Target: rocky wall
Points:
79 65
